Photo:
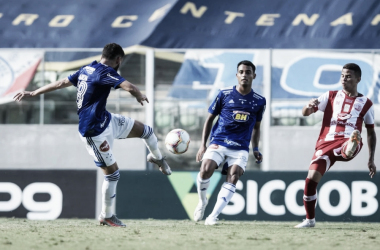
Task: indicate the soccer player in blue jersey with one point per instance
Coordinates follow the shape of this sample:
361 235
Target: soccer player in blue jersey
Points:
98 128
240 111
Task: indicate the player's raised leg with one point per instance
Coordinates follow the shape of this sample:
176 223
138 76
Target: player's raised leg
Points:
310 192
225 194
203 181
111 177
146 133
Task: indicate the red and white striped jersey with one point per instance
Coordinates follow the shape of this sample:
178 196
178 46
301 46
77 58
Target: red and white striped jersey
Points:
343 114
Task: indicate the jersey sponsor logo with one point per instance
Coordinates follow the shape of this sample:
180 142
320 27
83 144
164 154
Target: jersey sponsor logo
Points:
349 101
240 116
344 116
231 101
358 107
89 70
339 133
82 77
232 143
104 147
360 100
109 75
344 123
103 123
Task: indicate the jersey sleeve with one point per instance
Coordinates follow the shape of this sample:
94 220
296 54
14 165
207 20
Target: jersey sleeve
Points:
260 114
73 78
111 78
369 118
323 100
216 105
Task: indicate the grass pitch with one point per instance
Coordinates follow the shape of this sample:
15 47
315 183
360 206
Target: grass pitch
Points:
185 234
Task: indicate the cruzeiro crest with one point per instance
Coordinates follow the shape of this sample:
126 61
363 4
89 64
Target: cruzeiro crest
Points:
183 182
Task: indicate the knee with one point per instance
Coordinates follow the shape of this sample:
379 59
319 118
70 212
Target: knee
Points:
206 171
115 176
233 178
148 131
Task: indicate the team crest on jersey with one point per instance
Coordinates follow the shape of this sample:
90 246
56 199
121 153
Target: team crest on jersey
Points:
240 116
358 107
344 116
104 147
89 70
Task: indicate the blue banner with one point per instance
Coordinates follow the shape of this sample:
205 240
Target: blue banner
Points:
191 24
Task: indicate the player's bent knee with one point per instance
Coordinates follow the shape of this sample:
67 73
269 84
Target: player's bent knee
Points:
115 176
148 131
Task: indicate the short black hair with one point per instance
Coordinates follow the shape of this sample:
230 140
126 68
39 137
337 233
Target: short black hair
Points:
354 67
247 63
112 50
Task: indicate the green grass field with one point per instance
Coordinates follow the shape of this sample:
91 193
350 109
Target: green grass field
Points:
171 234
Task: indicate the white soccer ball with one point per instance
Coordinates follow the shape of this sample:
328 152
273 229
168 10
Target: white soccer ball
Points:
177 141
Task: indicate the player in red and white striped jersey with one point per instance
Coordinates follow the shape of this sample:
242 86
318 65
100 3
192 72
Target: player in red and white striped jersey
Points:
340 137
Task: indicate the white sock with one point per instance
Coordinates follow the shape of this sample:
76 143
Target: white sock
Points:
224 196
109 193
202 186
152 145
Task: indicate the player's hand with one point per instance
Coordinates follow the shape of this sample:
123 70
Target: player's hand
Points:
372 168
20 95
141 99
313 103
258 156
200 153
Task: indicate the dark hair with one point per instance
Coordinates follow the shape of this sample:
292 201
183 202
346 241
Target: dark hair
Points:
112 50
354 67
247 63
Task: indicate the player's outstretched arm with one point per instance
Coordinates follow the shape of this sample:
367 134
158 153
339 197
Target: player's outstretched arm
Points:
63 83
255 142
205 134
371 137
131 88
309 108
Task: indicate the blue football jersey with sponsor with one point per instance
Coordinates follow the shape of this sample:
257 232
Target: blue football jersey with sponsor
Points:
94 83
238 115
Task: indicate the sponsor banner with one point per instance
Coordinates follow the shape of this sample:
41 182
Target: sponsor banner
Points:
302 74
16 71
47 194
342 196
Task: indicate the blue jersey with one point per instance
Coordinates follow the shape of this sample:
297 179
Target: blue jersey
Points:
94 83
238 115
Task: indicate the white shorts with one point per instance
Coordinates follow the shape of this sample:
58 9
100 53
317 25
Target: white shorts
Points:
100 146
221 154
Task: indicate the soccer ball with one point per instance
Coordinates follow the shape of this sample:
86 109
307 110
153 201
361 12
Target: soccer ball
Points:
177 141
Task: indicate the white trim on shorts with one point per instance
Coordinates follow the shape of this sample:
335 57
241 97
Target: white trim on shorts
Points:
223 154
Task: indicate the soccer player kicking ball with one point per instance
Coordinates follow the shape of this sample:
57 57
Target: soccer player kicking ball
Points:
240 112
339 139
98 128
